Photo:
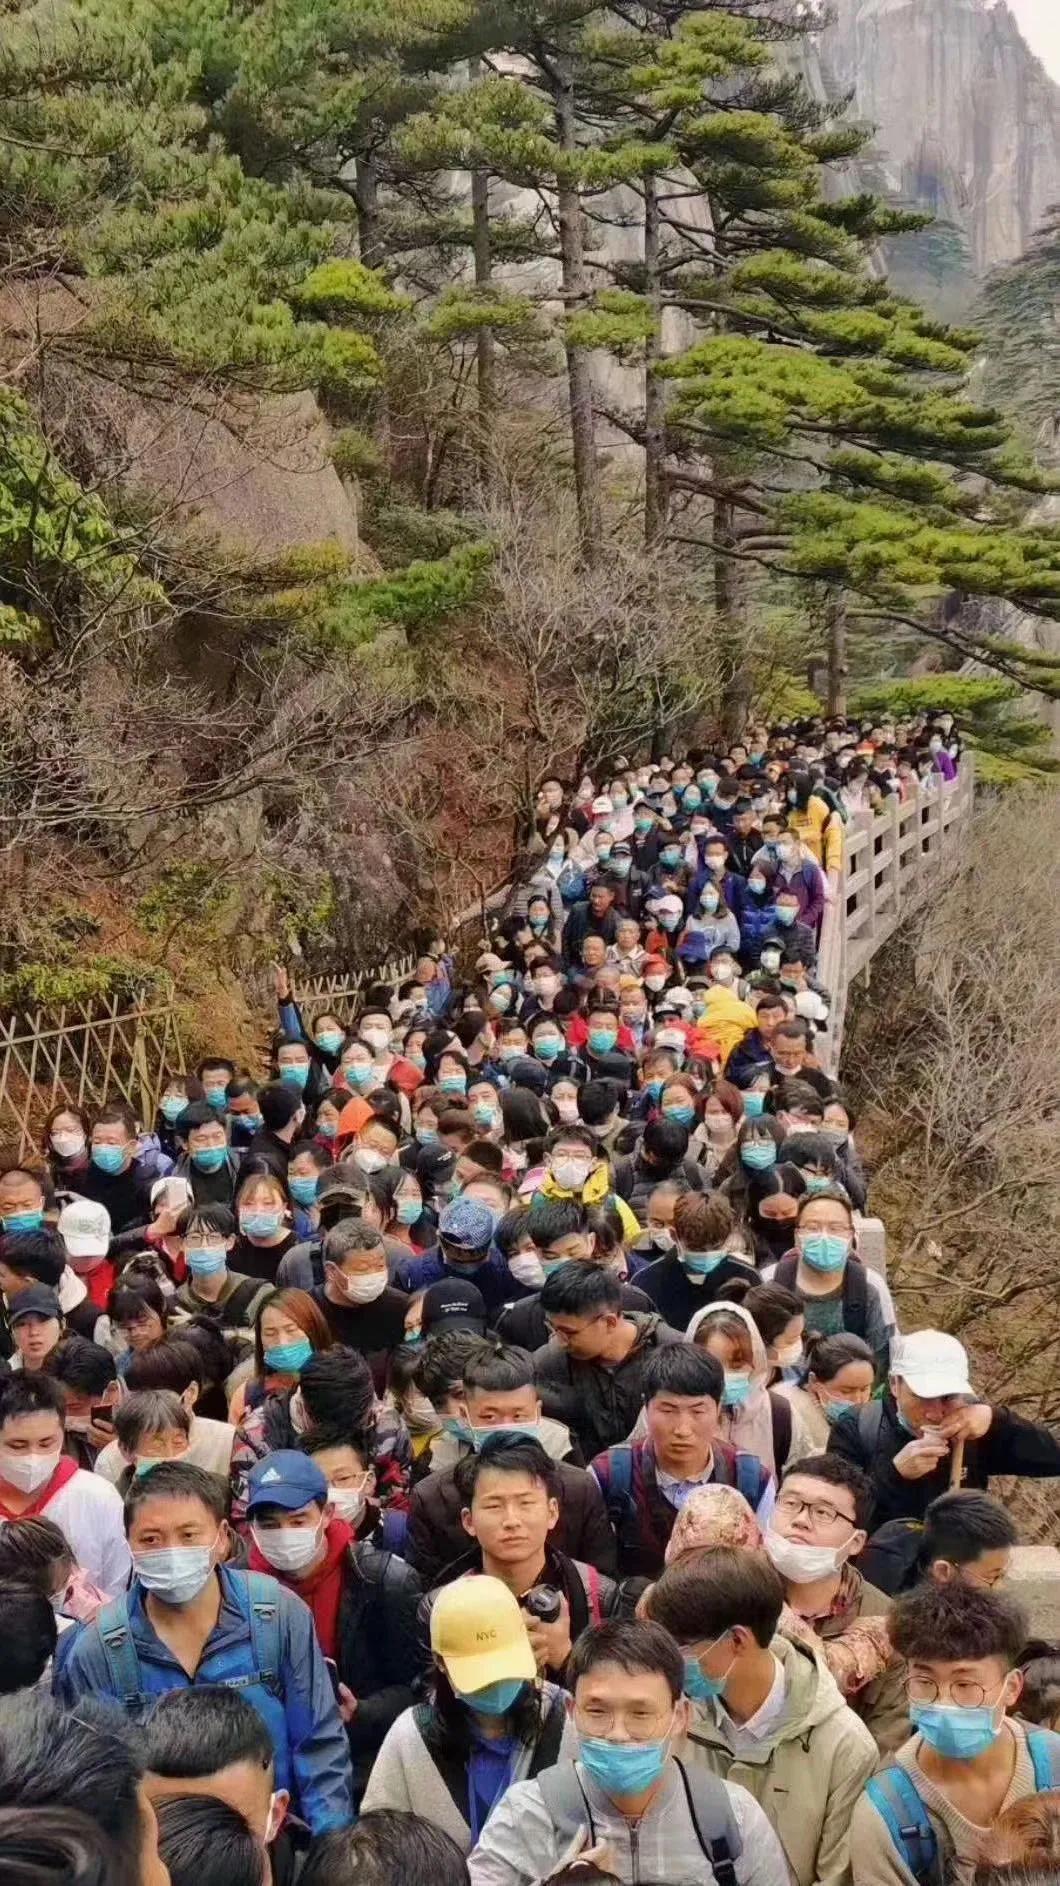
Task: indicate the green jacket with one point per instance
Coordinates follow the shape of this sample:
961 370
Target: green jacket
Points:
807 1774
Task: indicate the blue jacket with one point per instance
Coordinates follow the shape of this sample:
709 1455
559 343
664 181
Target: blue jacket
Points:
492 1277
295 1701
757 919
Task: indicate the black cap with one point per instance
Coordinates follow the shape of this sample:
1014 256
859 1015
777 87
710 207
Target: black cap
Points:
38 1300
453 1304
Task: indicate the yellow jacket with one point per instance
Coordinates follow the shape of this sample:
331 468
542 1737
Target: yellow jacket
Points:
821 831
595 1192
728 1018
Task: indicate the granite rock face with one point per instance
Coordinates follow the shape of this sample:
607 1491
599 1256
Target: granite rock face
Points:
967 119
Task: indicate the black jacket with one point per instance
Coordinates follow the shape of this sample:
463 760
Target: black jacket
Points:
437 1544
600 1405
591 1596
379 1652
127 1195
676 1297
524 1323
582 923
872 1439
635 1182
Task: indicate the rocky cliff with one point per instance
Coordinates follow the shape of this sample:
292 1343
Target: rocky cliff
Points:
968 120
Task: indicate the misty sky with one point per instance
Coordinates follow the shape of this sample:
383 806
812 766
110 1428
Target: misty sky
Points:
1040 20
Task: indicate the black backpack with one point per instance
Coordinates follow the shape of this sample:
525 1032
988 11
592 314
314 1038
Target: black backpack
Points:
855 1292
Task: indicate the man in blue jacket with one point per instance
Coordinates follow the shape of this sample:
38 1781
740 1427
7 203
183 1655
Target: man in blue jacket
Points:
187 1619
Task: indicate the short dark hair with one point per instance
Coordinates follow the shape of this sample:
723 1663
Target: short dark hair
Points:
597 1101
679 1368
552 1218
573 1135
441 1366
28 1632
834 1470
706 1593
666 1139
83 1366
204 1842
963 1524
386 1845
128 1300
31 1550
117 1113
175 1363
956 1623
22 1394
338 1392
57 1846
83 1761
197 1113
634 1646
796 1096
40 1254
499 1366
177 1480
505 1453
208 1218
580 1290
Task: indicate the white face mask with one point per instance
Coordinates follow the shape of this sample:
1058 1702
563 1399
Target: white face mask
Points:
68 1145
378 1039
570 1174
803 1564
526 1267
369 1159
288 1550
366 1289
27 1472
789 1356
349 1502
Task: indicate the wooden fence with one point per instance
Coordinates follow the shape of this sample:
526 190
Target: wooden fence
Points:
83 1054
893 859
343 995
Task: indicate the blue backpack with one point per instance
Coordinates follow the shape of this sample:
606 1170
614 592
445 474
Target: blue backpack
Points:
894 1795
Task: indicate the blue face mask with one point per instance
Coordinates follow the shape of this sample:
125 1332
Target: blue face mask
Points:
327 1129
816 1184
206 1263
483 1114
602 1040
670 855
547 1047
413 1338
823 1251
753 1106
245 1125
408 1210
209 1158
683 1115
836 1411
453 1084
759 1154
295 1074
737 1389
786 917
458 1428
23 1221
497 1698
108 1158
303 1191
701 1688
260 1224
329 1042
427 1135
360 1075
958 1734
215 1097
288 1358
623 1768
653 1089
701 1263
172 1106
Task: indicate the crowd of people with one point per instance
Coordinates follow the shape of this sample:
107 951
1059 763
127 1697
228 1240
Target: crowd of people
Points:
480 1450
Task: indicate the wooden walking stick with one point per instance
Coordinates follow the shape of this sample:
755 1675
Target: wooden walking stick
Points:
957 1461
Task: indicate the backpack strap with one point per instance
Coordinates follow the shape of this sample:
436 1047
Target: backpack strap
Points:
749 1477
263 1601
316 1259
869 1423
780 1409
714 1821
786 1271
1043 1746
592 1588
897 1802
855 1298
566 1803
393 1530
116 1643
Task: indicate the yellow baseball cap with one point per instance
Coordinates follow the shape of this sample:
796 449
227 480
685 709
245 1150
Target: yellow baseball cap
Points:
479 1632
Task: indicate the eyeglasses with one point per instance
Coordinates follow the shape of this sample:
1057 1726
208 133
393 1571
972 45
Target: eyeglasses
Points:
821 1512
924 1689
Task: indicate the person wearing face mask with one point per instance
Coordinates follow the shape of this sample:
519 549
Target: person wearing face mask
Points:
207 1236
751 1418
766 1708
488 1721
628 1785
757 914
360 1306
465 1252
265 1234
661 1154
66 1132
577 1171
539 904
838 1377
188 1619
839 1292
115 1176
37 1479
283 1112
312 1521
702 1258
817 1530
84 1228
969 1757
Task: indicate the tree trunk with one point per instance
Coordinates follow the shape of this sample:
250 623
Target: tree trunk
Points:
838 669
732 628
369 244
579 365
485 351
656 495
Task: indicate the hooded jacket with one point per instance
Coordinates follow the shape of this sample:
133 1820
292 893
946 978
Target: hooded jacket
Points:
600 1405
727 1017
807 1771
753 1428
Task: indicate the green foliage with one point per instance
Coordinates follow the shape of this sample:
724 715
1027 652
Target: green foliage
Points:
1018 315
50 985
397 532
355 454
1011 746
185 892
